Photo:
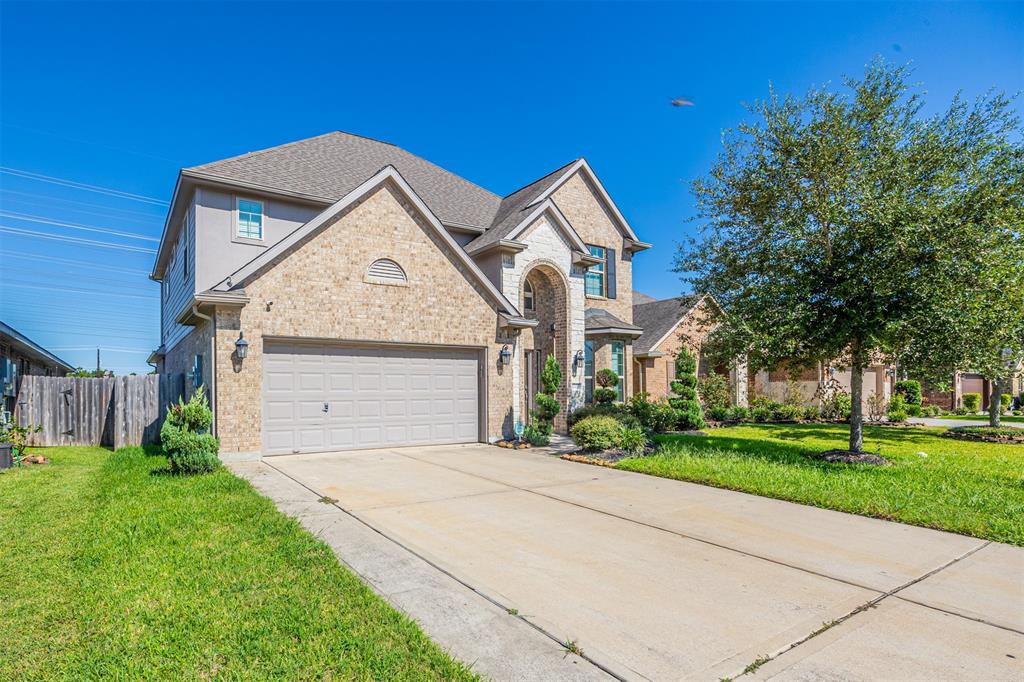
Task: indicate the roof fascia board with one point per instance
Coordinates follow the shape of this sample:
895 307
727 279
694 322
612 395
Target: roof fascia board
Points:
32 347
617 331
581 164
385 174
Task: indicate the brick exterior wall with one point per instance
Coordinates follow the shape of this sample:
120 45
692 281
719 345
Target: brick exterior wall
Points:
658 372
317 290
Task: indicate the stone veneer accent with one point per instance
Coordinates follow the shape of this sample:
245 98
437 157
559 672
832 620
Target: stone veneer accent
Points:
317 291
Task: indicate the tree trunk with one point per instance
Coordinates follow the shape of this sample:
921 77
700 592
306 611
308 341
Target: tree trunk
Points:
856 391
994 404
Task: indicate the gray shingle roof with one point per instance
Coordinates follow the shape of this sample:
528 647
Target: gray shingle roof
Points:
639 298
656 318
598 318
332 165
513 208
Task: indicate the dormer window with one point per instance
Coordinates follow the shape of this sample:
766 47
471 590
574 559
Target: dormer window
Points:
528 300
249 221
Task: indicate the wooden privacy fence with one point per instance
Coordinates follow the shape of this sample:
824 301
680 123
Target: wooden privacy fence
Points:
115 411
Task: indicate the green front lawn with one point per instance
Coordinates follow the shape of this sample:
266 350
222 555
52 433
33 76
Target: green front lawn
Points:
966 487
113 569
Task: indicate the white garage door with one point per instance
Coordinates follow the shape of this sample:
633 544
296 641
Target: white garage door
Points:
321 398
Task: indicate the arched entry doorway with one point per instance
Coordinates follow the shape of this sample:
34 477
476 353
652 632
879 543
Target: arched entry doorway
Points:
545 298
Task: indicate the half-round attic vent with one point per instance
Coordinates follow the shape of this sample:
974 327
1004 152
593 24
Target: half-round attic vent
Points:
387 271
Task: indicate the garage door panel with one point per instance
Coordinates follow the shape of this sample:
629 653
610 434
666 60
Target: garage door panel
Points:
376 397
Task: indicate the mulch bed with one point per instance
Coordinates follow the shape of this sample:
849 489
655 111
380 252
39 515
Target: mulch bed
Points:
986 437
604 458
848 457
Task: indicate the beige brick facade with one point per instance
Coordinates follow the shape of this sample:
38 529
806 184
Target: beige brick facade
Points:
656 374
318 291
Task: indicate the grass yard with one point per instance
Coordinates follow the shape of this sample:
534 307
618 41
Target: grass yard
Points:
965 487
113 569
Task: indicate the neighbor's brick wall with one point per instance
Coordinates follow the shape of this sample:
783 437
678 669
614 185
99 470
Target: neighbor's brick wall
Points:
318 291
580 204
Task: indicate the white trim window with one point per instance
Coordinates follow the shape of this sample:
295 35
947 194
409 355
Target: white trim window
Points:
529 303
619 367
248 218
594 281
588 371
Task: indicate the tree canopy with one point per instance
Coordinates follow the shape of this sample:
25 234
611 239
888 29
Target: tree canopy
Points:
840 223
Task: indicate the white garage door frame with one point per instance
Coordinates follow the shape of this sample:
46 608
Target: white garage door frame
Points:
480 352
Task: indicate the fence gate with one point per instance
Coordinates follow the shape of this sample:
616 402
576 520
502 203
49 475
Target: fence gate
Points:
115 411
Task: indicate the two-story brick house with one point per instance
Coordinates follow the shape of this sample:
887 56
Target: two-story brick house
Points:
339 292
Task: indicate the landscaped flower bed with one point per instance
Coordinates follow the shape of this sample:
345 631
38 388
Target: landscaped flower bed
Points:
987 434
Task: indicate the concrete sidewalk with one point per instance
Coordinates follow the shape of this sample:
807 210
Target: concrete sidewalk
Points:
650 578
966 421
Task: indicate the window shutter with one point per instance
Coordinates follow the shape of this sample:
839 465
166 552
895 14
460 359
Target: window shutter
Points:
610 269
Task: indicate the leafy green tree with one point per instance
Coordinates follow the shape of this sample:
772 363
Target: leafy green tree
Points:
833 221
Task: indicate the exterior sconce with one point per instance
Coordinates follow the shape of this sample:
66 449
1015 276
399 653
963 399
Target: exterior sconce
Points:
577 360
241 347
505 355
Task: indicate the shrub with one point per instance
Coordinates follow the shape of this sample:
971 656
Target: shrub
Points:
594 411
812 413
914 410
897 411
652 415
792 394
837 407
960 411
607 379
189 449
739 413
543 421
547 406
596 433
536 436
605 396
910 390
784 412
632 440
719 414
972 401
550 376
713 390
877 406
689 415
1004 402
761 414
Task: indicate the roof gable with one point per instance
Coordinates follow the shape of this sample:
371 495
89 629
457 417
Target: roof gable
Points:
658 319
581 166
388 174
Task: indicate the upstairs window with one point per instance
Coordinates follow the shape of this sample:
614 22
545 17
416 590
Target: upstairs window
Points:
250 219
595 278
528 301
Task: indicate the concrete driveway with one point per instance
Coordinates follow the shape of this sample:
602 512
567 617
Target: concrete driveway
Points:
649 578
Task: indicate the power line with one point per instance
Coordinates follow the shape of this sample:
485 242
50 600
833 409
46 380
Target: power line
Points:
91 292
147 284
105 349
71 261
96 144
74 240
49 199
75 226
17 172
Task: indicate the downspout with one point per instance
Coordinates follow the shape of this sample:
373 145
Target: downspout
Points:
213 365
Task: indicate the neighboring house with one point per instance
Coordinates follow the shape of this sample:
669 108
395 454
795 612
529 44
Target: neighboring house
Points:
20 356
383 300
971 382
668 325
878 380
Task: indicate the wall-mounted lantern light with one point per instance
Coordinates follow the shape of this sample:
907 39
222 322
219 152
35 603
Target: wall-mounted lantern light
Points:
505 355
241 347
577 360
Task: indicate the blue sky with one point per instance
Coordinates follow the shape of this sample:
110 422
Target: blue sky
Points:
120 96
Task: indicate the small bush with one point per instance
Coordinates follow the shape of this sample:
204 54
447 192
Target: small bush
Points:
914 410
605 396
1004 402
605 410
719 414
689 415
632 440
188 448
960 411
657 416
535 435
739 413
596 433
690 418
932 411
713 390
837 407
910 390
761 414
812 413
607 379
972 401
547 406
785 413
897 411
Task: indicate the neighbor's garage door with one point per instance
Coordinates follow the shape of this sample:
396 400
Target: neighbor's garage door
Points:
321 398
